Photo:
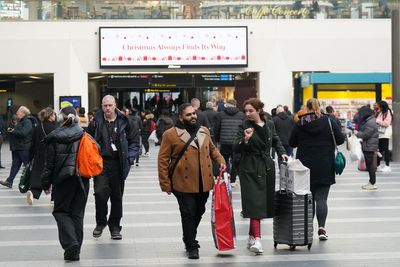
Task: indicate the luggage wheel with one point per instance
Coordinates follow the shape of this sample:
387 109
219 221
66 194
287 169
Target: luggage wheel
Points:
275 244
292 247
309 246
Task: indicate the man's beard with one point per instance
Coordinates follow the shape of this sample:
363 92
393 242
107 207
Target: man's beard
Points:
189 126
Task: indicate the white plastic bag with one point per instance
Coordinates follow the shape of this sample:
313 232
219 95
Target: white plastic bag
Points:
355 148
153 137
295 177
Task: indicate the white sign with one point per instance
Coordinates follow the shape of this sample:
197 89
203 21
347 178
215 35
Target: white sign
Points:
176 47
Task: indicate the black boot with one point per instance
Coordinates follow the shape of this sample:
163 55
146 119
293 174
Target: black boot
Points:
72 253
193 253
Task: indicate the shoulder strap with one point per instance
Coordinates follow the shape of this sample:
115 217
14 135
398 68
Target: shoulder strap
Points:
333 136
171 171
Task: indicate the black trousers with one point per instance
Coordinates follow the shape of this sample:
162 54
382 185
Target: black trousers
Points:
232 161
19 157
192 207
384 150
69 209
109 185
370 162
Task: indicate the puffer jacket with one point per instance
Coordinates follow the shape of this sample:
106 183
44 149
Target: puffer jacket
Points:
60 161
227 125
369 135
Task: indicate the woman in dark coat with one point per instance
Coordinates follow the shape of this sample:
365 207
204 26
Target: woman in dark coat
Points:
69 190
47 123
316 150
255 138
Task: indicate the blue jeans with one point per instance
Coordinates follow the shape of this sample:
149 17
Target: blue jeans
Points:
19 157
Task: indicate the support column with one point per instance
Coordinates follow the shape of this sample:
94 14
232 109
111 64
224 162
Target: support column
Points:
396 83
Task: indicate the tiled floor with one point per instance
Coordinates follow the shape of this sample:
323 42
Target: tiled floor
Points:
363 228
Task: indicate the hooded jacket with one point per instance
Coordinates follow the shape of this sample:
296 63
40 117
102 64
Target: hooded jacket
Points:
369 134
61 152
315 148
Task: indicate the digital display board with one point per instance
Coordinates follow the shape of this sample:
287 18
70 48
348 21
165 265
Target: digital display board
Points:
171 80
66 101
214 80
128 81
173 47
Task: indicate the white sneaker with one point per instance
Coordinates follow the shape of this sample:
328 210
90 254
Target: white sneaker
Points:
386 169
250 241
379 169
369 186
29 197
147 154
257 247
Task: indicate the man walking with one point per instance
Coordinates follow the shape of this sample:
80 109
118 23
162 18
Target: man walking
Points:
283 126
185 169
226 129
21 136
119 143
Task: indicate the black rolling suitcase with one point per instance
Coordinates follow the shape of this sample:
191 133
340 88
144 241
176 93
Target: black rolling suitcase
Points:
293 220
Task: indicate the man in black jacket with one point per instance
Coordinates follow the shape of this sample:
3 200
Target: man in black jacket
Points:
22 136
226 128
119 143
284 124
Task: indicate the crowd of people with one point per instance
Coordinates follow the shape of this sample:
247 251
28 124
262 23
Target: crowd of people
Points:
195 146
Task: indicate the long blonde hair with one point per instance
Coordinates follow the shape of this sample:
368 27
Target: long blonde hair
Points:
313 106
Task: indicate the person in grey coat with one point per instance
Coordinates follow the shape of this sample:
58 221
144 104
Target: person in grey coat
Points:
370 142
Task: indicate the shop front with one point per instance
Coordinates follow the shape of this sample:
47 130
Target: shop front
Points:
346 92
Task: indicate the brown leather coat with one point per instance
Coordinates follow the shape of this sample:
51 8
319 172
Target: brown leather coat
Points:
186 175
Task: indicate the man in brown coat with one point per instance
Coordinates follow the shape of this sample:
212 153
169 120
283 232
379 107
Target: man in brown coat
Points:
192 178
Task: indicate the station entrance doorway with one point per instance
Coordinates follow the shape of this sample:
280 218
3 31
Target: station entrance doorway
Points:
156 92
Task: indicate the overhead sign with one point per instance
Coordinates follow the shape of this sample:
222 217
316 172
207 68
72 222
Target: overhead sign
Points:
173 47
128 81
214 80
171 81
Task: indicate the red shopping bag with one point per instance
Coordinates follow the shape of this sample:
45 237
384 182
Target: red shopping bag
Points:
222 220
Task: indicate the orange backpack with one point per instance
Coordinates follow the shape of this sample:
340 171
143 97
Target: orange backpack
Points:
89 162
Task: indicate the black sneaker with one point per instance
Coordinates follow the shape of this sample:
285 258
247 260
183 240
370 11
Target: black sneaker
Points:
193 254
2 167
322 235
6 184
116 234
72 254
98 231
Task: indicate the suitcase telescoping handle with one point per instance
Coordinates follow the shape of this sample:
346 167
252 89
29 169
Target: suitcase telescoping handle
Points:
286 176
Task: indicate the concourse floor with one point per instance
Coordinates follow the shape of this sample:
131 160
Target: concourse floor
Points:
363 228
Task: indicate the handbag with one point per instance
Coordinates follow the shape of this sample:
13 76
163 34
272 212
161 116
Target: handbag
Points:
340 160
25 181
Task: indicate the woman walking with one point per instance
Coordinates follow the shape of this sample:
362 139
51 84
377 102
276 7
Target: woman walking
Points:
255 138
47 123
316 150
69 190
384 121
369 135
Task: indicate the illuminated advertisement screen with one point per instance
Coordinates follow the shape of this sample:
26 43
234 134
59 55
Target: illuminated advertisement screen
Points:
173 47
66 101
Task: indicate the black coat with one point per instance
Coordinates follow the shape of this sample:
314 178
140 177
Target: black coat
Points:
315 147
283 125
128 139
227 125
38 151
61 152
21 136
257 169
